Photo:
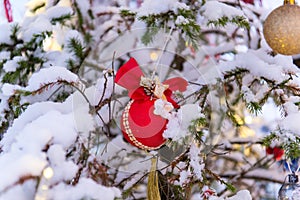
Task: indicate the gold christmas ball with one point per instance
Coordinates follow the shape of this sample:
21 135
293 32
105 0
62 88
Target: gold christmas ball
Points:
282 29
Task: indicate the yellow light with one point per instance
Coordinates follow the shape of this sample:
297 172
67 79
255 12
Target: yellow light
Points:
236 146
153 56
39 198
247 151
44 187
187 44
222 100
65 3
48 173
238 119
248 120
50 44
246 132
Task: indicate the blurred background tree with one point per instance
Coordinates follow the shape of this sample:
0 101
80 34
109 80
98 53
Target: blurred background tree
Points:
236 130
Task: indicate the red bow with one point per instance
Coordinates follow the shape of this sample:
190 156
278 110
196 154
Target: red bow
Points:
140 126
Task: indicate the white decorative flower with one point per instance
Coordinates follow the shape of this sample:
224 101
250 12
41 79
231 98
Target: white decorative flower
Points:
162 108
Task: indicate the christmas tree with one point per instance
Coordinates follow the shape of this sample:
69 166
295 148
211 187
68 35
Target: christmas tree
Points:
174 99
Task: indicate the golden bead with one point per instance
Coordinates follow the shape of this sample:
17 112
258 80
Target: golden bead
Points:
282 29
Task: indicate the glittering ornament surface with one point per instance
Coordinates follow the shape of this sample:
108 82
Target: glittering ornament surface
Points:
282 29
140 124
290 188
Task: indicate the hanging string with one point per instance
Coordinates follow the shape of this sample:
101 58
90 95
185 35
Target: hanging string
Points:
162 51
297 169
288 164
290 169
8 10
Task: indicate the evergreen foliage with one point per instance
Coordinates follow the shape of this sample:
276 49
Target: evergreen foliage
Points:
197 160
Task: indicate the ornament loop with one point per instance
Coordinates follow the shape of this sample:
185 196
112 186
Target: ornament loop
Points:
291 2
293 178
290 169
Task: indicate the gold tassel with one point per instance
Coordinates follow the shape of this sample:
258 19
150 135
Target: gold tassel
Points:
152 188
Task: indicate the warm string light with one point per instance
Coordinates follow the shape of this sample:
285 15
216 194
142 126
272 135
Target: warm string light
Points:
48 173
51 43
244 131
153 56
42 192
248 119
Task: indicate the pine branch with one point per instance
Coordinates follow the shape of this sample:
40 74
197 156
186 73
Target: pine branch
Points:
191 30
61 19
215 176
81 52
292 148
37 7
240 21
254 107
258 176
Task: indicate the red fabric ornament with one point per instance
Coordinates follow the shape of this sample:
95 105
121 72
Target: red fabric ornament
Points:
8 10
277 152
140 126
249 1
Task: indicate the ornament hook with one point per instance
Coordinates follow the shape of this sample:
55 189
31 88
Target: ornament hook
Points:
290 169
291 2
